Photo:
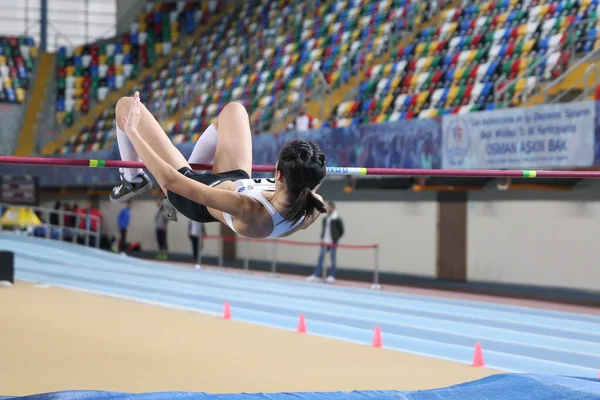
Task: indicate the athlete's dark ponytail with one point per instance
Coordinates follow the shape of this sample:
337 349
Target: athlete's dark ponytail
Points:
302 165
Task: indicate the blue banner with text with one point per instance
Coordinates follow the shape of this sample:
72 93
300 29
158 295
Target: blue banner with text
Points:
547 136
551 136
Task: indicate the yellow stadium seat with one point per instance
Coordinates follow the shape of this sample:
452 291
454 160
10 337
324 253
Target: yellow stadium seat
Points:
7 83
78 82
452 27
78 103
126 48
528 46
451 96
334 76
60 117
102 59
158 47
502 18
419 49
2 61
387 100
70 70
427 62
77 51
387 69
413 81
458 74
270 86
520 85
20 93
421 97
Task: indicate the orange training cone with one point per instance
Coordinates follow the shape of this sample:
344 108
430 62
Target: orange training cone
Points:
227 311
478 356
377 342
301 324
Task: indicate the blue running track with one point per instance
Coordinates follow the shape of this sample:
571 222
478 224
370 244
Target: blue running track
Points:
514 339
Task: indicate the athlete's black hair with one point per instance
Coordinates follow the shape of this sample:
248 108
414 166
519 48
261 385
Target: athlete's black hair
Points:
302 165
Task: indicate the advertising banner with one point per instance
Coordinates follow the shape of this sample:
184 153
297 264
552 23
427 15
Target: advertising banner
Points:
547 136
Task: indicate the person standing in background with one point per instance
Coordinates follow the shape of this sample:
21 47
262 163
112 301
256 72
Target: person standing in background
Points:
123 223
89 224
196 233
332 232
303 121
161 232
55 215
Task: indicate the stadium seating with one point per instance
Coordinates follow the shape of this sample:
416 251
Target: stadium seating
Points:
453 67
17 55
294 41
89 73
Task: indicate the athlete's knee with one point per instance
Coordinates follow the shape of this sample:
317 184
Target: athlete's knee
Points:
122 109
233 109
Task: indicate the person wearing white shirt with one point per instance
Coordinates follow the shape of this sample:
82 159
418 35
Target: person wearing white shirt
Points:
333 230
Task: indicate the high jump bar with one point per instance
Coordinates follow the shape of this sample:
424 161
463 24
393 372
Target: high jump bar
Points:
340 171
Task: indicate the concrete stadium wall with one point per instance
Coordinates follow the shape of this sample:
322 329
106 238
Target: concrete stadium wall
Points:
513 237
405 232
548 243
12 117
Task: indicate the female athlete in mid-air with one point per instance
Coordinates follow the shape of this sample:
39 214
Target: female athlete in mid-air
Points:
253 208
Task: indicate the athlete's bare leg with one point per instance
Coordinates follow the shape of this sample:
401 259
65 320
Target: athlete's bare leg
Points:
152 133
234 145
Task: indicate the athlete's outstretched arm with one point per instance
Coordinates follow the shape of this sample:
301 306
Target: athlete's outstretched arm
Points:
170 179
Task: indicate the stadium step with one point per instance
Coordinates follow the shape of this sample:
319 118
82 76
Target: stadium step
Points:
27 138
576 79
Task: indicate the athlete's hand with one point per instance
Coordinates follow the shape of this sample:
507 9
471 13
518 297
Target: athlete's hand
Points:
319 197
131 122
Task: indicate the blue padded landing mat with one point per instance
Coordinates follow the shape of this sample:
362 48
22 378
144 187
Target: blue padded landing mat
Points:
496 387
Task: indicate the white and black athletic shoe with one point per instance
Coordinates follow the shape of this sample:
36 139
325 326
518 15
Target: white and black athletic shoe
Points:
126 190
168 211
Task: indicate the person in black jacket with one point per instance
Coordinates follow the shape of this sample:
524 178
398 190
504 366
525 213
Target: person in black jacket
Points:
333 230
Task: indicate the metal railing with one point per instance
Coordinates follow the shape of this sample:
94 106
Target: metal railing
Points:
589 85
274 258
592 56
63 232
